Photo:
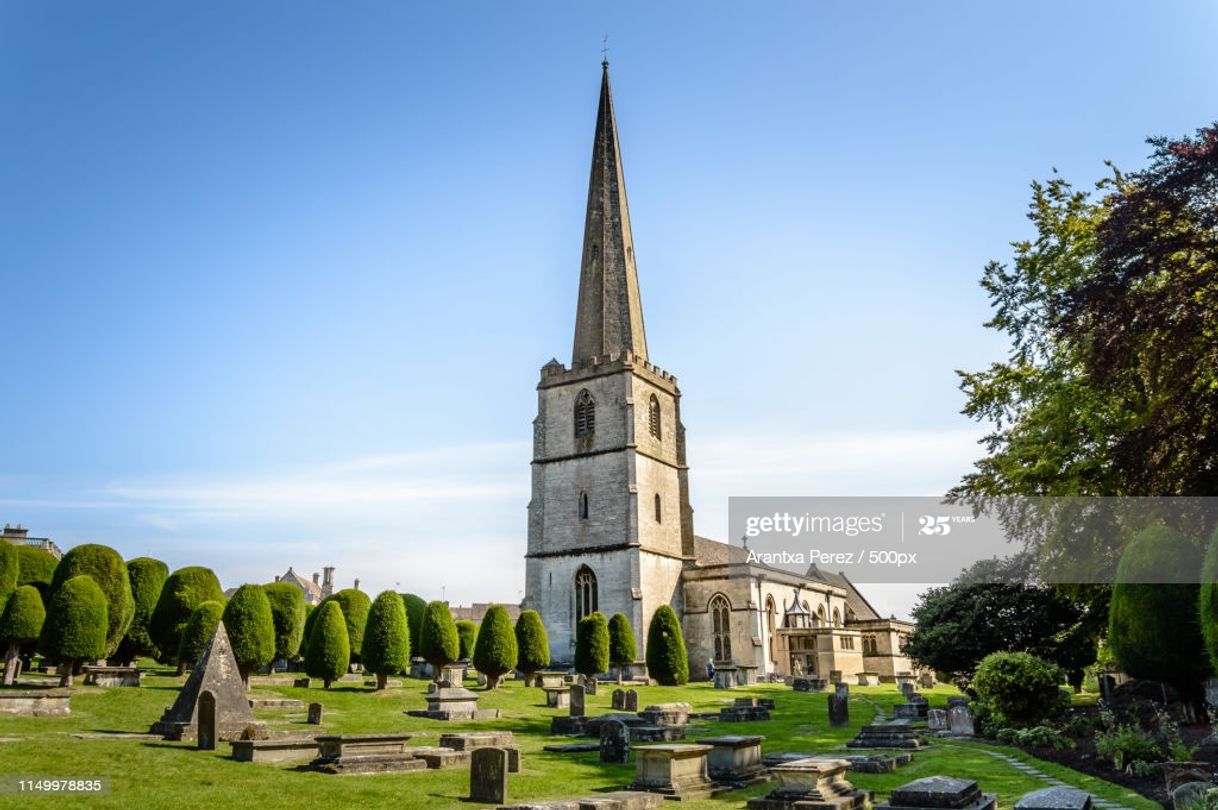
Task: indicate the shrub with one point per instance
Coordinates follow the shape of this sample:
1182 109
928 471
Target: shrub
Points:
667 660
184 590
200 627
147 576
1034 737
1126 743
532 645
329 652
251 629
1019 688
10 566
109 572
1207 600
21 623
386 647
415 607
592 644
496 652
621 642
438 642
467 639
355 606
75 626
36 567
288 613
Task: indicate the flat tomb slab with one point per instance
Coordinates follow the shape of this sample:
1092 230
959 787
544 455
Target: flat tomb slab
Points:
374 763
26 703
343 745
280 750
112 676
735 758
675 770
1055 798
940 793
439 757
276 703
814 783
620 800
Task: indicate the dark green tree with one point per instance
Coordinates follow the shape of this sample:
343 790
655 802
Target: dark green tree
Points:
355 605
75 626
621 643
147 576
37 568
20 623
288 612
467 639
251 629
10 568
329 652
108 570
438 641
592 645
182 593
199 629
1154 629
532 645
415 608
386 649
495 652
1020 689
667 661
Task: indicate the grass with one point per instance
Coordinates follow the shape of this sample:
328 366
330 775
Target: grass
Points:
156 774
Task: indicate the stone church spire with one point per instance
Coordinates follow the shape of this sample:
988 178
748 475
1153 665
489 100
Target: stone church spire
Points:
609 317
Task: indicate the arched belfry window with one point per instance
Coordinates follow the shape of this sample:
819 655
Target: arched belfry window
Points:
653 417
585 415
583 506
837 618
585 592
659 511
721 627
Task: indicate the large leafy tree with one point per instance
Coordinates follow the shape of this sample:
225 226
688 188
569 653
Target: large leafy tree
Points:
329 653
355 605
288 612
182 593
251 629
592 644
76 625
20 623
495 650
107 569
147 576
532 644
439 643
621 643
386 649
37 568
199 629
667 661
415 607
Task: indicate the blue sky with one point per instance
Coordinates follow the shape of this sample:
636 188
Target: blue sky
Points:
277 278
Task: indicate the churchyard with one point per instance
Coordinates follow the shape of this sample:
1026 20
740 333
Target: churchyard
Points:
106 735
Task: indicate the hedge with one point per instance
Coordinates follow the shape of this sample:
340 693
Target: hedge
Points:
621 642
415 608
20 623
36 567
355 606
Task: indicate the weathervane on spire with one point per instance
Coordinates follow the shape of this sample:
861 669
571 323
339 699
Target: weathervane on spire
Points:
605 50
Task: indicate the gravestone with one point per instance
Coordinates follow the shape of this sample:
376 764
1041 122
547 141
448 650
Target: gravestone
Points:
615 742
1108 686
926 680
207 721
488 769
679 771
725 677
577 700
735 759
842 690
839 710
315 714
632 701
557 697
908 688
958 700
868 679
1055 798
936 719
300 683
885 735
940 792
818 783
960 721
619 700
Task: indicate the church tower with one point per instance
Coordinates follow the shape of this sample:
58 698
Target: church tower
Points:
610 526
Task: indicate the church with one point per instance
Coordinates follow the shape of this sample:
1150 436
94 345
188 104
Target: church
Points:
610 526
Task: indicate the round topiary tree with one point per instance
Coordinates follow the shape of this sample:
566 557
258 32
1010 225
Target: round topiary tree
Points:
10 567
416 606
251 629
147 576
496 652
467 639
181 595
621 643
667 661
592 645
329 652
533 647
109 572
21 623
1018 688
198 631
288 612
386 649
36 567
76 625
1154 629
438 641
355 605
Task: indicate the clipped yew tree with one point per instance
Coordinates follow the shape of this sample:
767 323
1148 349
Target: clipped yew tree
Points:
181 595
199 629
532 645
416 606
10 566
36 567
1154 630
438 641
20 623
147 576
495 653
667 661
329 652
109 572
592 644
386 649
355 606
76 625
621 643
251 629
467 639
288 613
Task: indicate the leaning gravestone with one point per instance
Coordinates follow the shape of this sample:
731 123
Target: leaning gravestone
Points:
577 700
936 720
839 710
488 769
960 721
214 672
615 742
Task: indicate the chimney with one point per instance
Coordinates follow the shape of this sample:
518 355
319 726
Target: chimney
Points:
15 531
328 581
357 583
316 576
276 577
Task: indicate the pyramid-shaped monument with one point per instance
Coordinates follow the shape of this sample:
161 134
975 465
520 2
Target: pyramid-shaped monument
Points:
216 673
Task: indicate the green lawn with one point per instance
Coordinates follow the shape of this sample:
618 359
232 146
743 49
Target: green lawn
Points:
155 774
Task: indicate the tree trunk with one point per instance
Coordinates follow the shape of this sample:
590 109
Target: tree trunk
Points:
325 684
492 682
245 678
382 680
65 674
620 667
12 663
181 667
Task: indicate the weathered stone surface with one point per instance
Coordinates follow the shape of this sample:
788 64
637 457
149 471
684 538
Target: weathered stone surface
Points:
1177 773
673 770
868 679
618 701
558 697
364 753
841 689
960 721
29 703
473 740
1190 795
632 701
112 676
589 684
863 763
453 703
936 719
333 746
301 683
275 750
743 714
577 700
839 710
816 784
670 714
889 735
958 700
572 748
439 757
808 684
1055 798
725 677
734 758
753 702
276 703
615 742
315 714
549 680
488 770
621 800
940 793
